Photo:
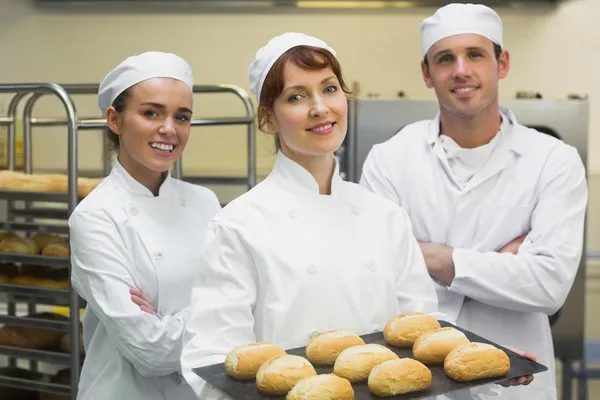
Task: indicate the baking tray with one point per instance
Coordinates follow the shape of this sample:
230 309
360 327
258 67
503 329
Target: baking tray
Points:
216 376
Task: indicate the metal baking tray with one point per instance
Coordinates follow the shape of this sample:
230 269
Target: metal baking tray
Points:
216 376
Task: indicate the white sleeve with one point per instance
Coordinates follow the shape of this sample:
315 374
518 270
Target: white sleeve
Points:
101 273
540 276
221 309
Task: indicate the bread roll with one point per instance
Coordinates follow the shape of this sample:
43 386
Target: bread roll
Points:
322 387
394 377
324 348
404 329
18 245
44 239
279 374
6 235
471 361
86 185
56 250
355 363
244 361
432 347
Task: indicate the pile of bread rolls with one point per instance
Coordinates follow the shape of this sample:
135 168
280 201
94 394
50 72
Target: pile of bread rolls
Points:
34 275
277 373
45 183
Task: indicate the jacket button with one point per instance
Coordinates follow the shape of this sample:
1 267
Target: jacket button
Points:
133 211
292 214
158 255
372 267
182 201
355 210
312 268
164 311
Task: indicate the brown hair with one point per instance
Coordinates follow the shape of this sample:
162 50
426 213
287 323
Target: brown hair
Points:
113 138
305 57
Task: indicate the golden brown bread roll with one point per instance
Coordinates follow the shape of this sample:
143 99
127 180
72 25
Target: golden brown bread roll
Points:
355 363
65 343
278 375
322 387
6 235
40 282
471 361
32 338
432 347
394 377
18 245
244 361
56 250
44 239
402 330
324 348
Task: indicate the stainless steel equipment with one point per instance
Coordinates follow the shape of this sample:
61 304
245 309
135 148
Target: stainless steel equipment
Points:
29 212
375 121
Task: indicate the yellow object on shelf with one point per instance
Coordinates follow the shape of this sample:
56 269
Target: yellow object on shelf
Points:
19 162
66 311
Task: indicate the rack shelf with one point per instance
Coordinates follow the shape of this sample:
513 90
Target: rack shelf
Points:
61 326
17 195
51 357
32 227
56 262
37 386
33 293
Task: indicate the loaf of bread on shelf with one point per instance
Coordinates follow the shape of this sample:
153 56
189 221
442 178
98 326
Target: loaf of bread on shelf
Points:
322 387
6 235
45 183
42 276
44 239
8 272
86 185
244 361
62 377
65 343
355 363
56 250
324 348
9 393
432 347
472 361
18 245
403 329
279 374
400 376
32 338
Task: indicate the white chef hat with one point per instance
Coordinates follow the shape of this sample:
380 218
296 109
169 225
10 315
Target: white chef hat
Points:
456 19
267 55
135 69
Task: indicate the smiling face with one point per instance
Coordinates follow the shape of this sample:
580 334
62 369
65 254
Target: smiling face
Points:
464 72
310 114
153 128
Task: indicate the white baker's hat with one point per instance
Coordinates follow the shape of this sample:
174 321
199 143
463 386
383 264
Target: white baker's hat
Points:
267 55
457 19
135 69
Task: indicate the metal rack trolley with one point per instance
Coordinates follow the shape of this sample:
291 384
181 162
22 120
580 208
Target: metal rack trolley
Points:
31 212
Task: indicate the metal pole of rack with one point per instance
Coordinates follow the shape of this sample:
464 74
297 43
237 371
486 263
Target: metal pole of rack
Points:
52 88
247 120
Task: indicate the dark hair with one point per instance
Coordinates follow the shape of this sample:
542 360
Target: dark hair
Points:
497 53
112 139
305 57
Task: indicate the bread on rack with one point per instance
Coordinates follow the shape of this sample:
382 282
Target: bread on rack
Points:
86 185
400 376
6 235
323 349
355 363
56 250
32 338
403 329
42 276
244 361
18 245
279 374
472 361
432 347
8 272
65 343
322 387
45 183
62 377
10 393
44 239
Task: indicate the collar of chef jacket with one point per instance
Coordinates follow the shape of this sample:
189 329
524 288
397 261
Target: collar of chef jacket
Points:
134 187
510 141
295 175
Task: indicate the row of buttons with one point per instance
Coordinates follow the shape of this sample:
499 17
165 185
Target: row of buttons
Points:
371 266
134 211
293 214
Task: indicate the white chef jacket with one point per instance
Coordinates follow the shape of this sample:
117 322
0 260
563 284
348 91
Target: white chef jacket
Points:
532 184
122 236
282 263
